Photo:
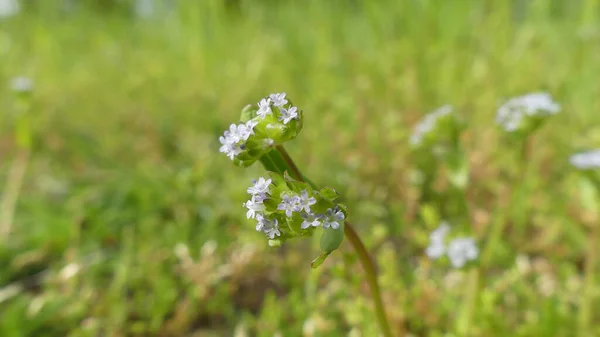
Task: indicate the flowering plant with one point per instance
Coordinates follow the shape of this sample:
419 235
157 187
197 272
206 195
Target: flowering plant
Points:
285 204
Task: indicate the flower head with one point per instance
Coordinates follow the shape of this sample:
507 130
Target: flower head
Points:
332 218
272 230
304 202
9 8
21 84
586 160
230 149
267 226
233 140
278 99
462 250
259 187
310 219
437 245
428 124
264 108
289 204
254 206
512 114
288 114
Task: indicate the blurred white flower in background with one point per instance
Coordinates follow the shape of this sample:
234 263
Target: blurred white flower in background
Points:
437 246
428 124
511 114
586 160
459 250
462 250
9 8
21 84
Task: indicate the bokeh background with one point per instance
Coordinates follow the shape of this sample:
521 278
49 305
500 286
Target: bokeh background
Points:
121 218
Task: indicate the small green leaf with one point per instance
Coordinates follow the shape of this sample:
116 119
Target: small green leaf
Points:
318 260
329 193
248 113
331 239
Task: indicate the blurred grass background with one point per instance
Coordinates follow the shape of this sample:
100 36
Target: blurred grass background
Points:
129 223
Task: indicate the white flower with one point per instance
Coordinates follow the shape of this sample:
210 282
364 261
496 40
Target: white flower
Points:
231 150
233 135
332 218
310 220
289 204
21 84
259 187
428 124
246 130
278 99
254 206
511 114
462 250
264 224
232 139
271 228
586 160
264 108
439 234
288 114
437 245
9 8
261 222
435 250
304 202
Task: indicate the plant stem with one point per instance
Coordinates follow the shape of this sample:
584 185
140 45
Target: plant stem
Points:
11 193
587 298
291 165
369 267
363 255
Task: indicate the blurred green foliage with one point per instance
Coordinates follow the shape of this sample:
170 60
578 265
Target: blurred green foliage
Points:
129 222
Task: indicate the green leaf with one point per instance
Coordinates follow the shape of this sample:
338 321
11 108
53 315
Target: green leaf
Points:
331 239
328 193
248 113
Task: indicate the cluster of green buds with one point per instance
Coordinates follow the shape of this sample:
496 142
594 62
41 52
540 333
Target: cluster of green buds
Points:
271 122
283 207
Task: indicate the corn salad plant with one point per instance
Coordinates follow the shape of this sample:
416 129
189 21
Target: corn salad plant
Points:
286 204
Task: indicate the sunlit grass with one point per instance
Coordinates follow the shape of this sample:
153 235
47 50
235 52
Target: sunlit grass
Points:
125 165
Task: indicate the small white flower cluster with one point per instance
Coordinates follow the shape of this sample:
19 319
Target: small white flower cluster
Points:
511 114
428 124
259 191
291 203
9 8
233 139
586 160
278 100
21 84
458 250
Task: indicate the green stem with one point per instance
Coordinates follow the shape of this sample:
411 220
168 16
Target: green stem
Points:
585 307
360 249
371 274
295 172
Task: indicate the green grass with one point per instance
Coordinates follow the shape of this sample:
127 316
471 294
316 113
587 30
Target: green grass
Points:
124 170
